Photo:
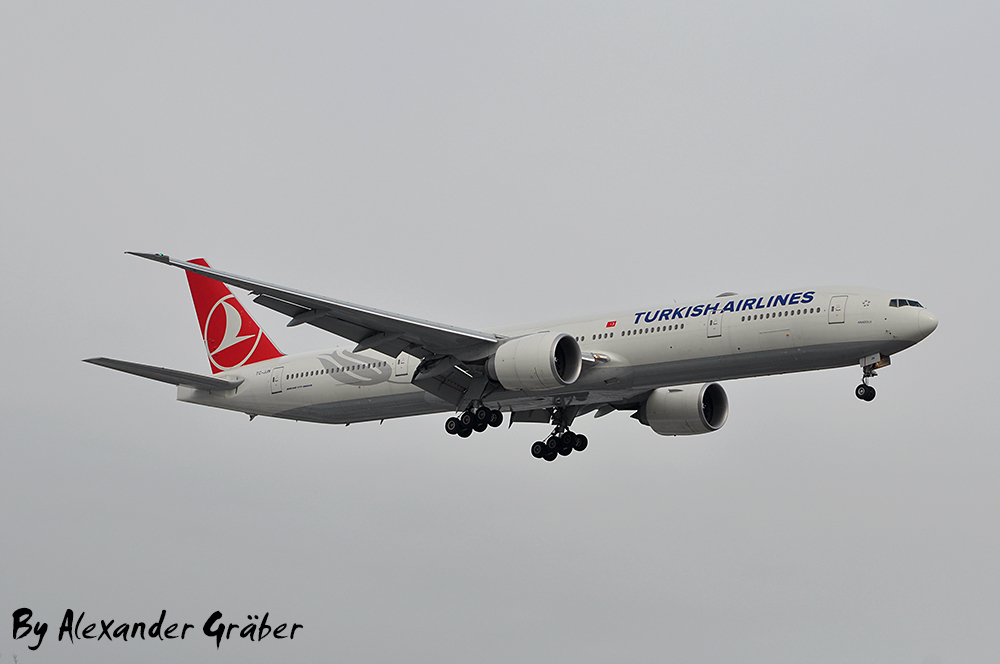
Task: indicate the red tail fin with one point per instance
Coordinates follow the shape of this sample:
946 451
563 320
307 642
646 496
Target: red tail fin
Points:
232 337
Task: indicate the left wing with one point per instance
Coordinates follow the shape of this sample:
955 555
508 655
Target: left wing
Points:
172 376
383 331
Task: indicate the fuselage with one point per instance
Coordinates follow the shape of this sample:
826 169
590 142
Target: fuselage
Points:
630 353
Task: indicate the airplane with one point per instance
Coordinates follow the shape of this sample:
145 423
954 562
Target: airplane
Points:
662 364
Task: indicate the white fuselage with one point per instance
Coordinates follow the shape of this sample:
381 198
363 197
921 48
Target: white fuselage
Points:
710 340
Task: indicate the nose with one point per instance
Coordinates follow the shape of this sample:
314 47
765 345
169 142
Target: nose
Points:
926 322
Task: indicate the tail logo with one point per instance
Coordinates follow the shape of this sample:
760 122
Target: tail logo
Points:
227 348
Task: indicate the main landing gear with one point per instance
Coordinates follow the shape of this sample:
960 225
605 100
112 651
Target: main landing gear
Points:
560 442
474 419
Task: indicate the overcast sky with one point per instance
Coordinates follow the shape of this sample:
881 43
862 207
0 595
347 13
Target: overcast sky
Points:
483 165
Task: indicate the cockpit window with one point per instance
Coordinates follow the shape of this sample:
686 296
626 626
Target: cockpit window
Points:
914 303
905 303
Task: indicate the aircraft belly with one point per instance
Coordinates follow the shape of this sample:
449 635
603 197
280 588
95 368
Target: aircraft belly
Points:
386 405
759 363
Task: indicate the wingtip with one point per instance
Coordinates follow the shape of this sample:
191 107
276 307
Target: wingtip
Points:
160 258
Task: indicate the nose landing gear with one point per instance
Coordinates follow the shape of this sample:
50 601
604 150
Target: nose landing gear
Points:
864 391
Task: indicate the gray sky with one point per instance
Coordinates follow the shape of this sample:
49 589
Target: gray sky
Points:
489 165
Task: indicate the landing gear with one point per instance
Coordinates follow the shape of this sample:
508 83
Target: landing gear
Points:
478 420
864 391
560 443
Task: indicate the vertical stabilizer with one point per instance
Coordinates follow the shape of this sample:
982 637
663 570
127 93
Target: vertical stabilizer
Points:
232 337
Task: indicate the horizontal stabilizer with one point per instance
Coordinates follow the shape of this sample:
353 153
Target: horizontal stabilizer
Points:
172 376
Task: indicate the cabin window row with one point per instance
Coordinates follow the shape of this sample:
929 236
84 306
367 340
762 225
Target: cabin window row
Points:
653 330
629 333
321 372
780 314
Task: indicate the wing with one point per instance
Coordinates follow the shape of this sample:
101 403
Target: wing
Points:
383 331
164 375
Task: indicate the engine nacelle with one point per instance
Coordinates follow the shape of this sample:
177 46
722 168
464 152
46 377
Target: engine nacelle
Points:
541 361
685 410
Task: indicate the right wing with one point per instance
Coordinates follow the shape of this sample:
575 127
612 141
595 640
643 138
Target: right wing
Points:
386 332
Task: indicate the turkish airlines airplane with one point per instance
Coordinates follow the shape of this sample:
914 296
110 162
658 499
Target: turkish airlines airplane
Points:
660 363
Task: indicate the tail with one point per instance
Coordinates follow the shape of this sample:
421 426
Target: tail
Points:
232 337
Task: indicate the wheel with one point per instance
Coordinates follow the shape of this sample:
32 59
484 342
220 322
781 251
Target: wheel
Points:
482 414
861 392
466 419
464 433
551 456
581 443
869 393
538 449
480 427
565 450
452 425
569 439
552 442
496 418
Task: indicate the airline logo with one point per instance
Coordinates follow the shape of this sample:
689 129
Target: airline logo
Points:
709 308
232 337
226 339
611 323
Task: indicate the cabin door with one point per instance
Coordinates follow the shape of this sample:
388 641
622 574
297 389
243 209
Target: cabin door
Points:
838 307
715 325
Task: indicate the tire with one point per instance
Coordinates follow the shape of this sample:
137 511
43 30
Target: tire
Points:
452 425
870 393
479 427
551 456
464 433
581 443
565 451
538 449
496 418
861 392
466 419
569 439
552 442
482 414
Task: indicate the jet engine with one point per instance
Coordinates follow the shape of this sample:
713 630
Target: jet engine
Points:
685 410
542 361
